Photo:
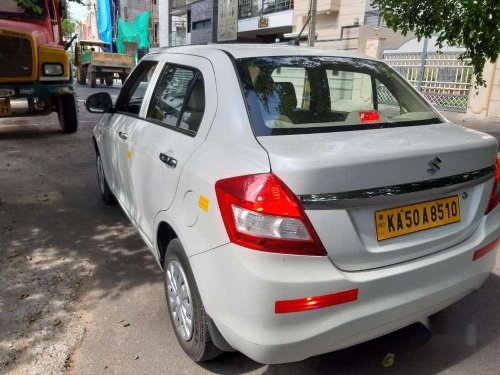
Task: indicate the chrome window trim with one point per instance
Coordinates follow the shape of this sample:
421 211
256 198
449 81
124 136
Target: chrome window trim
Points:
357 198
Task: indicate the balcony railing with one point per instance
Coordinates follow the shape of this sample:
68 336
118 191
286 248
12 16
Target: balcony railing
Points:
255 8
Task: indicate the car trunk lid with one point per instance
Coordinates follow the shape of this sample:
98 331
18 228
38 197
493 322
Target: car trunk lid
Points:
345 178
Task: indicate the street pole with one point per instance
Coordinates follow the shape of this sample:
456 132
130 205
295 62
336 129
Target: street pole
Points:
312 23
421 69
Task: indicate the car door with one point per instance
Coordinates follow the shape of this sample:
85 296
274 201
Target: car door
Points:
121 125
180 111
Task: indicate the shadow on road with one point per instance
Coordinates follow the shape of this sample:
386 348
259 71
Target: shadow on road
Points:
54 232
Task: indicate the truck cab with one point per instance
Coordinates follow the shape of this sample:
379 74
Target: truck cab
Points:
35 69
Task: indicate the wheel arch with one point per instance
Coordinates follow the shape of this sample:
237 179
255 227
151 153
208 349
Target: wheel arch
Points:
164 234
96 148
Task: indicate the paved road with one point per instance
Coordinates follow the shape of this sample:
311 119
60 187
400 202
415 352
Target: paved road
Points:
122 305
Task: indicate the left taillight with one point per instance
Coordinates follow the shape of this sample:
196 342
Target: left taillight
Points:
260 212
495 193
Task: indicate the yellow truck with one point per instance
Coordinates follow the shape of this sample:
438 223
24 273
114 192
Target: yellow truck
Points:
35 68
93 62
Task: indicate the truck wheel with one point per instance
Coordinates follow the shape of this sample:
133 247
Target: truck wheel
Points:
67 113
93 79
83 75
109 81
101 81
123 77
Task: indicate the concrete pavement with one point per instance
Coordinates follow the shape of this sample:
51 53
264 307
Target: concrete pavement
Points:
490 125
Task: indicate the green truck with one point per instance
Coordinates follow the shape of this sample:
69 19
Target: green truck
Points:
93 62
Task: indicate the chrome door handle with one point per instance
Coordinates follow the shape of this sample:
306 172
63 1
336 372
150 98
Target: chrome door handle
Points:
168 160
123 135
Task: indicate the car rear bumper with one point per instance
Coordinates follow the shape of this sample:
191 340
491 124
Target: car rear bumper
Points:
239 288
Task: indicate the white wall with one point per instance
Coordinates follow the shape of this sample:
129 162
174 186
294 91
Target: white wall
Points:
163 20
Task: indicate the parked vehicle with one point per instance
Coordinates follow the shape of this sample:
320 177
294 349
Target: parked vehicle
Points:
95 62
299 201
35 69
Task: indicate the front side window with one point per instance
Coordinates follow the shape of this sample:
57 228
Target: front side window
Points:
296 95
133 92
179 98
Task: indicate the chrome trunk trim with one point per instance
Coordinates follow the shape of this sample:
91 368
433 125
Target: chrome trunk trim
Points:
357 198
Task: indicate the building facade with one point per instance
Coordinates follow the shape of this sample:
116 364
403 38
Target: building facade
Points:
88 27
129 9
340 24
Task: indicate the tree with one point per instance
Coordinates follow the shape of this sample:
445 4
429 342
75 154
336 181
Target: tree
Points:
473 24
69 26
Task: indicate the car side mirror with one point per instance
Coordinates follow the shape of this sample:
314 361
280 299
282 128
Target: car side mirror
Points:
100 102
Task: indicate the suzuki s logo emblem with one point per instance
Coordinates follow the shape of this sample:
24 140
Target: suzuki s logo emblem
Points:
434 165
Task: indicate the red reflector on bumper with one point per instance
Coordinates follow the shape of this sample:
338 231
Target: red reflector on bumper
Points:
310 303
485 250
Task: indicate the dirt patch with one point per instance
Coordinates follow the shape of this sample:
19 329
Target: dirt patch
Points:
39 327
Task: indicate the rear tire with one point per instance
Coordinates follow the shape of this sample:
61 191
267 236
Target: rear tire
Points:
106 194
93 79
67 113
179 282
101 81
109 81
83 75
123 77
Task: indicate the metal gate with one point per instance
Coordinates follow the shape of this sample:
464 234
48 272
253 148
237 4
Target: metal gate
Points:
442 78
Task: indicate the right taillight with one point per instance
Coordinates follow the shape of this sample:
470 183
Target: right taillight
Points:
495 193
260 212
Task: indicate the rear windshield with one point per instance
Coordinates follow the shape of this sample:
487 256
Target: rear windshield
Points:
309 94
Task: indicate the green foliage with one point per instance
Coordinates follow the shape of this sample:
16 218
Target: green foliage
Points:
69 26
30 4
473 24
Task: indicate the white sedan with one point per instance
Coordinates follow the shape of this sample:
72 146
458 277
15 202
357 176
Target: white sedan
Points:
299 201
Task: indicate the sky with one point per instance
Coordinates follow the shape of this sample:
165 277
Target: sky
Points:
77 11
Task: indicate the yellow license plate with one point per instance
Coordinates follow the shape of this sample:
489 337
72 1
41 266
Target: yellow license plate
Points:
416 217
5 108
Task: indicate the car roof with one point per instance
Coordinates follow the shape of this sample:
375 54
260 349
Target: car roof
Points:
260 50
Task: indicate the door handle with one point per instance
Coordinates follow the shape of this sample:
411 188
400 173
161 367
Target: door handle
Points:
168 160
123 135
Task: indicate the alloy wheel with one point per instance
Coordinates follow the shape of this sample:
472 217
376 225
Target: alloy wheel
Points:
179 300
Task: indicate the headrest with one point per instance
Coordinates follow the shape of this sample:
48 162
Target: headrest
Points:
196 102
288 98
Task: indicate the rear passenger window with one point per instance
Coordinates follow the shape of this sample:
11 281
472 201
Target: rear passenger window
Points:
179 98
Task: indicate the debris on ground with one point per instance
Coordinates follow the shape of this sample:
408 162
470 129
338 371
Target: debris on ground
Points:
388 360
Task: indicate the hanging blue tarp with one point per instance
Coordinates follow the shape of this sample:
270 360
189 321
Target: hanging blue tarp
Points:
104 23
